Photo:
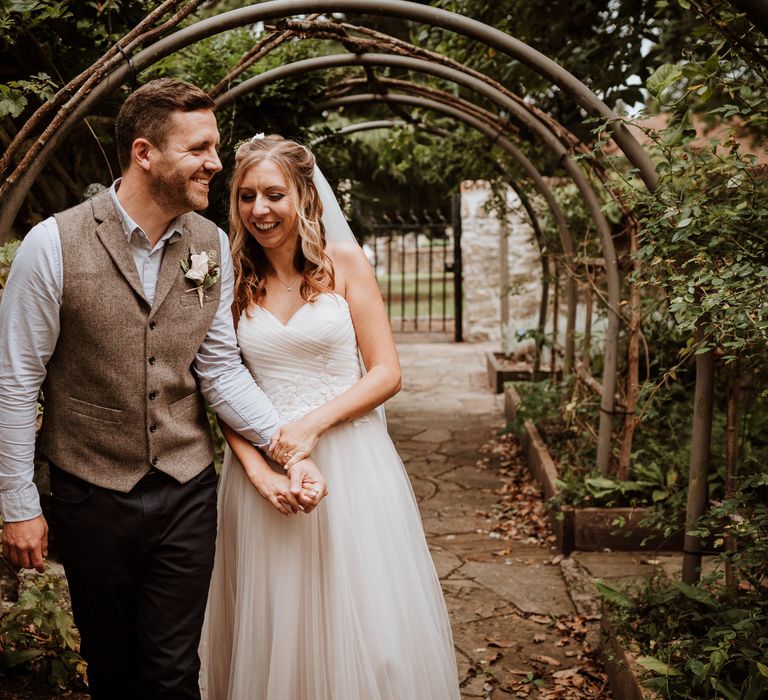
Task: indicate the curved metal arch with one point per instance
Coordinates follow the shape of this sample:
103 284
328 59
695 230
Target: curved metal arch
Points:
508 178
364 126
550 140
611 348
491 131
610 352
276 9
478 86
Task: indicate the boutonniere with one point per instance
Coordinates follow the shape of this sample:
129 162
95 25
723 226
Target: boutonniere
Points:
202 269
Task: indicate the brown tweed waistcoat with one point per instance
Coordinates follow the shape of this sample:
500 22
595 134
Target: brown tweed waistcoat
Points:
120 395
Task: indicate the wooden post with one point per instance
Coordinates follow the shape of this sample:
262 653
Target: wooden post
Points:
504 281
555 319
587 344
701 437
633 361
739 382
543 306
458 334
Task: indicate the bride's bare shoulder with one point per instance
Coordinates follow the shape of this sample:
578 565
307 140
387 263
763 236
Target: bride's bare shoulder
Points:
347 255
351 266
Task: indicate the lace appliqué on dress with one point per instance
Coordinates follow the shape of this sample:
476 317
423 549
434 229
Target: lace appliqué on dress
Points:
294 400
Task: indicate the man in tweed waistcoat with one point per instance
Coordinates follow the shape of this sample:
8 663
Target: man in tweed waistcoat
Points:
99 313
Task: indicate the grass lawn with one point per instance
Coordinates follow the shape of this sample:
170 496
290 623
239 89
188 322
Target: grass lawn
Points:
408 299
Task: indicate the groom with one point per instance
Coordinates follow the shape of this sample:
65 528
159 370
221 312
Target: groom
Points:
98 312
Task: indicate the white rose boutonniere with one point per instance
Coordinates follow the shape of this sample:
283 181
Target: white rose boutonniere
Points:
202 269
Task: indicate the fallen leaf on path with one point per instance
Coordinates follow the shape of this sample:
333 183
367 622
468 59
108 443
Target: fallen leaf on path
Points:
566 672
543 658
540 619
501 643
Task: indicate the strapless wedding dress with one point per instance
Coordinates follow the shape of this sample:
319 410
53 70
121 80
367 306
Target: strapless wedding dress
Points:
341 604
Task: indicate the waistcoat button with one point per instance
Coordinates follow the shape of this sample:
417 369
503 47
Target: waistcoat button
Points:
153 428
151 360
152 325
152 395
154 461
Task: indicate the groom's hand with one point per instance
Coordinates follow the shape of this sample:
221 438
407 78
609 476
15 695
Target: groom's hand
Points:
25 543
307 484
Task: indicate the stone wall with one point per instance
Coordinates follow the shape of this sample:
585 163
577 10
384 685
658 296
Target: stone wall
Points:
481 250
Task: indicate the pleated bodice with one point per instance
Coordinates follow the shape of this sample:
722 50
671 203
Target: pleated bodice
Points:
305 362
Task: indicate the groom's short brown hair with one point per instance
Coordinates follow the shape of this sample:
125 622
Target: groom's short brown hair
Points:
146 113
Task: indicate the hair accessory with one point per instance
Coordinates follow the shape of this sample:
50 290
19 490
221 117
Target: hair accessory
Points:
258 137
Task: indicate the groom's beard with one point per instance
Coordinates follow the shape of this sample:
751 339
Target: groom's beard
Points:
173 191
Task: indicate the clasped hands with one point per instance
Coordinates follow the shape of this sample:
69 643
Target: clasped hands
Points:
304 487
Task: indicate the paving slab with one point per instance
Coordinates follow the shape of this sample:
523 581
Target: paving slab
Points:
531 588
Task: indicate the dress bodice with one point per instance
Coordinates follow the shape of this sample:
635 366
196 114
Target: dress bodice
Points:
305 362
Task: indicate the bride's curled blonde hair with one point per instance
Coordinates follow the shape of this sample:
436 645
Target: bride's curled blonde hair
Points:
249 261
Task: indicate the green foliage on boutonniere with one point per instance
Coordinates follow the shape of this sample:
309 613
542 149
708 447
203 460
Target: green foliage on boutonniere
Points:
202 269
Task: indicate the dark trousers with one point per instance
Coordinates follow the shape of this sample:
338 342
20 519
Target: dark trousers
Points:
138 566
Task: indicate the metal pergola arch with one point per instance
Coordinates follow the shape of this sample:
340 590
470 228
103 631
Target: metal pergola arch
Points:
607 403
607 400
508 179
20 181
491 132
421 66
17 186
551 139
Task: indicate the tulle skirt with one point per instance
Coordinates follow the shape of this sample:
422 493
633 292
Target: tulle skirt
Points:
341 604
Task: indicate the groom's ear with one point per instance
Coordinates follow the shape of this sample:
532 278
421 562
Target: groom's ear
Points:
140 153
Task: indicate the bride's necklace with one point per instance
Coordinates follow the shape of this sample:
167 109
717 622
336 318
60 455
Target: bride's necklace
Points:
289 286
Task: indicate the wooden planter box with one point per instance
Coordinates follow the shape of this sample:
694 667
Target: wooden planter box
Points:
501 369
623 672
583 529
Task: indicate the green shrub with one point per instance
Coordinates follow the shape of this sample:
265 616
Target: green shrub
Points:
707 641
38 633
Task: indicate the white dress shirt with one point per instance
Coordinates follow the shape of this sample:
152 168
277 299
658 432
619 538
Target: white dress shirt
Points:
29 330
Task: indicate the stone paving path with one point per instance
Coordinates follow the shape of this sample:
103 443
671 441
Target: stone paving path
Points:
499 605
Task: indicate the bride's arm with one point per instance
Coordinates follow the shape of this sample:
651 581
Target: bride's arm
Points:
374 337
273 487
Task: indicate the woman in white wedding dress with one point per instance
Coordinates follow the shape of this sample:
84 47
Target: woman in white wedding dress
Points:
341 601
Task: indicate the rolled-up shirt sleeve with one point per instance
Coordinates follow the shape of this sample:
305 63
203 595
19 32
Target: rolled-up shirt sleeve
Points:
225 382
29 329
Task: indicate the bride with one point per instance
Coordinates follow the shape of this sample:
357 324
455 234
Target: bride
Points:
343 603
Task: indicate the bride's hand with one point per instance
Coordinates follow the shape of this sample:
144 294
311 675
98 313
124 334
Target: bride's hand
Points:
294 441
276 488
308 485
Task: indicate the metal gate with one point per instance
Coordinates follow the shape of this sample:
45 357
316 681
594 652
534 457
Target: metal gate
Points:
417 260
